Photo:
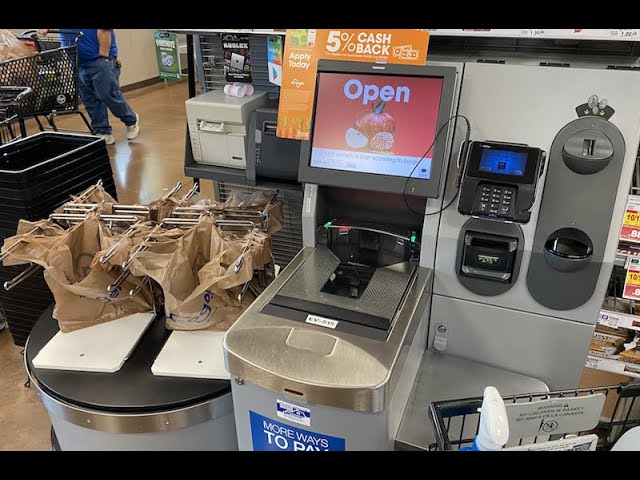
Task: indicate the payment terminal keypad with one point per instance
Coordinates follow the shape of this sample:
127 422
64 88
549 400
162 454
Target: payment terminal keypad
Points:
495 201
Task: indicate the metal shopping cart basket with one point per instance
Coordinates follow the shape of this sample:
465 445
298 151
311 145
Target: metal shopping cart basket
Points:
11 113
457 422
52 74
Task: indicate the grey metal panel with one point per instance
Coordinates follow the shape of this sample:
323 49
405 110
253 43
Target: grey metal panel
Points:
445 377
117 432
549 349
214 435
530 105
361 431
562 207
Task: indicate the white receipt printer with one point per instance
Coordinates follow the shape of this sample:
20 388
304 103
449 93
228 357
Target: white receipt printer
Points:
218 127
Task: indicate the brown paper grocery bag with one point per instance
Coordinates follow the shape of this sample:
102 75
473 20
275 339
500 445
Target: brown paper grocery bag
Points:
80 292
123 245
33 242
196 273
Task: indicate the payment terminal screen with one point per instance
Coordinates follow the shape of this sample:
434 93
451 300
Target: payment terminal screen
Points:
503 162
381 124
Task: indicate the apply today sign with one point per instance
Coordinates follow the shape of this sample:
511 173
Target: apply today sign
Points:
303 49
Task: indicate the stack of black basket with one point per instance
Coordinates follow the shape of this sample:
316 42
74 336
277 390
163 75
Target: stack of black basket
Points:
37 175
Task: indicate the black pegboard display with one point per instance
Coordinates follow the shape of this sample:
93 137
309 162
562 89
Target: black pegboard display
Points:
210 56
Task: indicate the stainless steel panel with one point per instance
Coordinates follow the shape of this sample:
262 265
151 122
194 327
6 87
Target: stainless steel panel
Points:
381 297
543 347
359 373
445 377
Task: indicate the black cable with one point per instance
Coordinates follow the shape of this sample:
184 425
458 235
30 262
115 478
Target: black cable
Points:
465 145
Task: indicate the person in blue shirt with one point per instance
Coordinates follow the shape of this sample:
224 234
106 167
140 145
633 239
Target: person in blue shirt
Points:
99 81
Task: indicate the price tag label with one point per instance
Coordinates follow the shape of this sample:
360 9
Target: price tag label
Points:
607 320
535 32
625 33
632 285
630 231
592 362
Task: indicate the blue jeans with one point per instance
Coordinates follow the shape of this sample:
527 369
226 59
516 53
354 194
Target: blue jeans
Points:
99 88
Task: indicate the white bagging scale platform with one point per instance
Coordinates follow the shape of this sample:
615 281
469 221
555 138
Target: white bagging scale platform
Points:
100 348
197 354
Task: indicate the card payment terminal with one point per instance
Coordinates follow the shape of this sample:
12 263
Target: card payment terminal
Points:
500 180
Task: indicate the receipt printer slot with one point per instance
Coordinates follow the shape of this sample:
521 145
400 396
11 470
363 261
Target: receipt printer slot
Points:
488 256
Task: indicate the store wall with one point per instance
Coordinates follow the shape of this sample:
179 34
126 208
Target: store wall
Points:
136 50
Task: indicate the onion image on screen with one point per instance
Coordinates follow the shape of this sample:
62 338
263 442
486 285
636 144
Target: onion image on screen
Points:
355 139
374 129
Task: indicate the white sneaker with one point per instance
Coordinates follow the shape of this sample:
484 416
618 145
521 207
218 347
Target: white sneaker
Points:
108 138
134 130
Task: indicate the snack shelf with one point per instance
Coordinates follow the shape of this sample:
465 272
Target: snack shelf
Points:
612 365
612 319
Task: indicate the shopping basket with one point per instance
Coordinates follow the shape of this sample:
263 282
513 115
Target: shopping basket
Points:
11 113
457 422
52 74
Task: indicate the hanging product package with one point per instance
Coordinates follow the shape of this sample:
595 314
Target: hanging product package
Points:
203 272
80 291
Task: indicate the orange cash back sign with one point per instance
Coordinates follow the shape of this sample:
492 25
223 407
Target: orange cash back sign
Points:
303 49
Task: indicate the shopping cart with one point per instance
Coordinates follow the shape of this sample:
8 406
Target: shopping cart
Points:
52 74
457 422
11 113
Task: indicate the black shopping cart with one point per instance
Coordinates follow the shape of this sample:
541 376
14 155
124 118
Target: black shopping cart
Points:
51 73
12 124
457 422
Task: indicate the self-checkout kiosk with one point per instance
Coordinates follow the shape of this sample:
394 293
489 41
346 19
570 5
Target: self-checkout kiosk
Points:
426 272
522 263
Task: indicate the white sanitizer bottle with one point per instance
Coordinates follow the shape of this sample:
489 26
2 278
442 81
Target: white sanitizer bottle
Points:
493 433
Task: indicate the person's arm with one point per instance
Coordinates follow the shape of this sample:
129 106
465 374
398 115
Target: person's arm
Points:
42 31
104 42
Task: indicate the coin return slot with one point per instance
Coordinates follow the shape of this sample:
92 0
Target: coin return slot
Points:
587 147
568 250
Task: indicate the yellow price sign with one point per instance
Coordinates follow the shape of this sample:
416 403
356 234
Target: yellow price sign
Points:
633 278
632 218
